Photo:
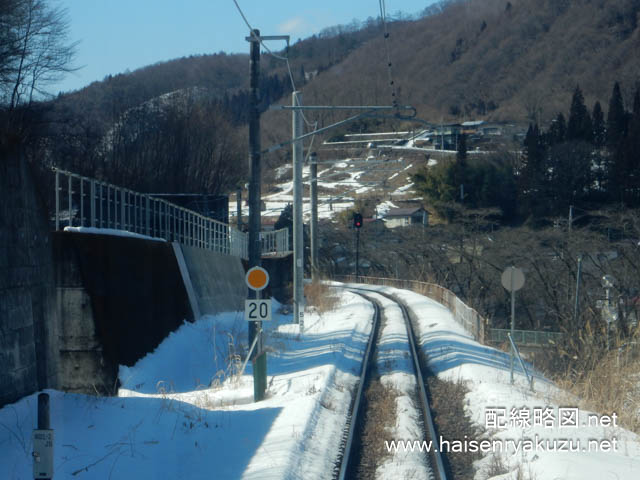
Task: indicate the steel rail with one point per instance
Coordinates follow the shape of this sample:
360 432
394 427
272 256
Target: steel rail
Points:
352 421
422 390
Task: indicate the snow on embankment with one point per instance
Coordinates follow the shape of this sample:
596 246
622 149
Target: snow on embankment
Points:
540 433
176 417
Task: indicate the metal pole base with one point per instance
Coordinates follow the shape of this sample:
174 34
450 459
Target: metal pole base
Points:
259 377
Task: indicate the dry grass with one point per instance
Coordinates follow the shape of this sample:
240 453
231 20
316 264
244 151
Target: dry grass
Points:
379 420
320 296
605 380
452 423
612 386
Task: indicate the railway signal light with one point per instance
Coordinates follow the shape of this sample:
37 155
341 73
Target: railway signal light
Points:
357 220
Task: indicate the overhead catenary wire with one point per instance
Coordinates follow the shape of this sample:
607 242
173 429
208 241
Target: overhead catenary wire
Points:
394 100
313 125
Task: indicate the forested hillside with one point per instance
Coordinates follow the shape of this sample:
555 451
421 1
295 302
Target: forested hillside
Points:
510 60
516 60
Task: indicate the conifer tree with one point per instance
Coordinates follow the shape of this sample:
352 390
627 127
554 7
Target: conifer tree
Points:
616 119
599 130
579 126
616 168
557 131
532 172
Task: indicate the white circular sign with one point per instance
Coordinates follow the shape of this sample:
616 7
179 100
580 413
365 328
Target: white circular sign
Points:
512 279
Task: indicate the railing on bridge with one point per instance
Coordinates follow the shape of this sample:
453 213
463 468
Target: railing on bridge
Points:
525 337
87 202
275 242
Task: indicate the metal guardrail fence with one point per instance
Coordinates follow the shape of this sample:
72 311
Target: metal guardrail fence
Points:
466 316
525 337
86 202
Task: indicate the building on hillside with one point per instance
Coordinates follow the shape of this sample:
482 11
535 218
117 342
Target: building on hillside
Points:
403 217
491 129
446 136
471 128
376 225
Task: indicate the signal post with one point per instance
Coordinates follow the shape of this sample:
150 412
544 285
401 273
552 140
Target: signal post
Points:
256 311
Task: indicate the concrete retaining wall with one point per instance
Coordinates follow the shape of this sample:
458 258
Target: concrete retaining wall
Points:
119 298
217 280
28 327
74 306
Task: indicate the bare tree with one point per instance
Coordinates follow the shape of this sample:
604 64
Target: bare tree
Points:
34 49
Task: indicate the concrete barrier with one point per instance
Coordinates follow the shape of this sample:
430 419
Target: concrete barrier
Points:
217 280
118 298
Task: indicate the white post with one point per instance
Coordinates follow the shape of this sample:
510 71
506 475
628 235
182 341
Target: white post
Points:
101 224
513 316
147 216
93 203
57 200
314 215
123 212
298 265
81 201
70 187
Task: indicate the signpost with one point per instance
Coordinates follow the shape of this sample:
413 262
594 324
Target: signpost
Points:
257 310
512 279
43 439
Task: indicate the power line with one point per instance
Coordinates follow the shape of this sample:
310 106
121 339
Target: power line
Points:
279 57
394 100
243 17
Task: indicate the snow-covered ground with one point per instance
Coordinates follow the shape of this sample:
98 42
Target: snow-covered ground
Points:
396 370
170 422
523 427
181 414
346 189
111 231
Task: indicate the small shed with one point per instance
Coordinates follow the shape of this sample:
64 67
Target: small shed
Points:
403 217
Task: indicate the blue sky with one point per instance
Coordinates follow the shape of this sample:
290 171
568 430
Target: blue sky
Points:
116 35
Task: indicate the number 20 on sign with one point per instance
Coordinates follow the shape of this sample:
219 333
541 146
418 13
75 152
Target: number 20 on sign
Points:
257 310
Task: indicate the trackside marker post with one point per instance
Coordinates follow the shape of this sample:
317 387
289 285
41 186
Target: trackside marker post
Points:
43 442
257 310
512 280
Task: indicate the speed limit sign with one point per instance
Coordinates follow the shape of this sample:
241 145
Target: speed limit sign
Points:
257 310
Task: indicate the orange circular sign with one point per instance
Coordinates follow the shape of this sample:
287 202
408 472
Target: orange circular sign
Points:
257 278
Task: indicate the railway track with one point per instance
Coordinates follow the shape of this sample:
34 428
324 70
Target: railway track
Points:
351 446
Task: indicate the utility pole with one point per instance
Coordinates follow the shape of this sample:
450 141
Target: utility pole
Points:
313 158
258 356
296 141
357 253
298 238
